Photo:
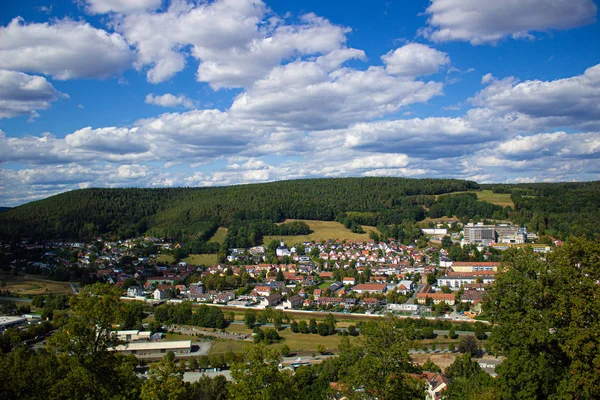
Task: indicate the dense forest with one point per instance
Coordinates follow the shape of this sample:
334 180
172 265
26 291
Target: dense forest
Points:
252 211
193 211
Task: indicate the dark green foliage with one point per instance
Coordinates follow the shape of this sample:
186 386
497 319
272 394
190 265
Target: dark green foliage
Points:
467 380
548 315
463 205
196 212
205 316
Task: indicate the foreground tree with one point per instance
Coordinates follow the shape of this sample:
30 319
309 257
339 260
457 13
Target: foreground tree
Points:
379 365
165 381
468 381
549 318
258 376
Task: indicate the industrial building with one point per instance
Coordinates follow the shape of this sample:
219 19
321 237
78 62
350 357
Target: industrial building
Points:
154 348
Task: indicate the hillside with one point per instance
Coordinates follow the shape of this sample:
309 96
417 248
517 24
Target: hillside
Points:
251 212
193 211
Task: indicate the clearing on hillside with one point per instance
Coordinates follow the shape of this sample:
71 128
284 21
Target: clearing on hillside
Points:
323 230
201 259
219 236
501 199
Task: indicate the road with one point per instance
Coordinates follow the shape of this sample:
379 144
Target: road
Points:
16 299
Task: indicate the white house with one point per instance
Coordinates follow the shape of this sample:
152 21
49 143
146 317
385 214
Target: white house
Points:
160 294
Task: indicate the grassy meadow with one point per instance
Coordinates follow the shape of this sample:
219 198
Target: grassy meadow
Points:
323 230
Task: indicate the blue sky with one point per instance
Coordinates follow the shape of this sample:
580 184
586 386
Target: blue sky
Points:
151 93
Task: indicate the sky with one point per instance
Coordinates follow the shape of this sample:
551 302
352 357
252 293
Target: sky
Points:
163 93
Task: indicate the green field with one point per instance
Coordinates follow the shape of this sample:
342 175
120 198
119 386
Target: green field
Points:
325 284
201 259
165 258
219 236
323 230
501 199
297 342
32 285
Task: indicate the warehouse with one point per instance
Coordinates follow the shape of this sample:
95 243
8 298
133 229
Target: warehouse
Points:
155 348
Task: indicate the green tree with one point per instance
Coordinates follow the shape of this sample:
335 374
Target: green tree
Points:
258 376
379 365
165 381
430 366
548 315
468 344
452 333
468 381
249 319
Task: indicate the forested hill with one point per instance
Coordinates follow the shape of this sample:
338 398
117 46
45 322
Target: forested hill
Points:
556 209
183 211
2 209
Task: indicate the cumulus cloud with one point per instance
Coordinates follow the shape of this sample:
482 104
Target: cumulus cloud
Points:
22 94
536 105
120 6
429 137
488 21
314 95
63 49
235 41
414 59
576 145
170 100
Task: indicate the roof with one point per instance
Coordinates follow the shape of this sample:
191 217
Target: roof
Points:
475 264
436 296
370 286
178 344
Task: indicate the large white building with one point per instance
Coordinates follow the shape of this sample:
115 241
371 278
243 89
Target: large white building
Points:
154 348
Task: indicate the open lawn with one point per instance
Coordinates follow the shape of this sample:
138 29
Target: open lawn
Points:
201 259
221 346
295 341
325 285
219 236
323 230
29 285
300 342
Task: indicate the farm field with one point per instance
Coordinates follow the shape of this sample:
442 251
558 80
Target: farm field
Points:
30 285
323 230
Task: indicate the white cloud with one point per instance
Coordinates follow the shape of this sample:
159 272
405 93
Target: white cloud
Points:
488 21
111 140
414 59
536 105
576 145
133 171
120 6
235 41
431 137
64 49
313 95
170 100
22 94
